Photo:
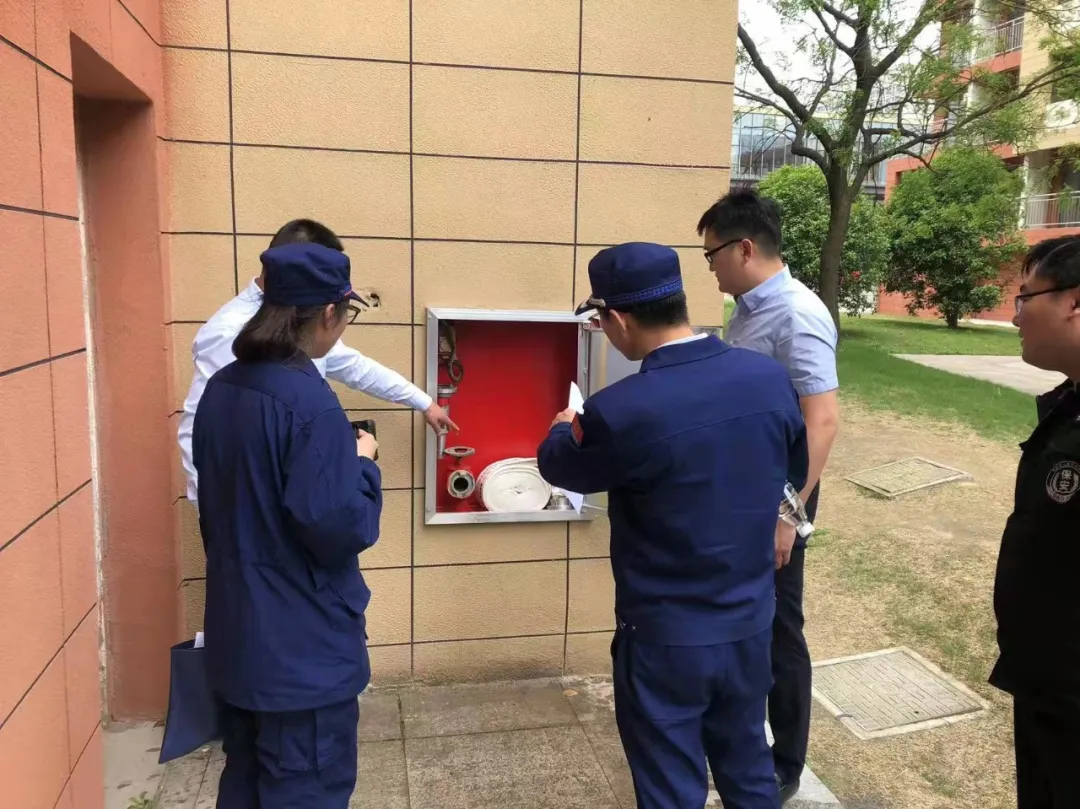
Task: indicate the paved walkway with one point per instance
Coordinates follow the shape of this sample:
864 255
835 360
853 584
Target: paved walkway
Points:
1011 372
544 744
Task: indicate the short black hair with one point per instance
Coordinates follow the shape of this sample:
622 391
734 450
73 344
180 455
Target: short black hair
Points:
669 311
1057 260
745 214
307 230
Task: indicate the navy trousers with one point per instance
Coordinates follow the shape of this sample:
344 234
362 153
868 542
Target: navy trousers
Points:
678 707
791 698
289 760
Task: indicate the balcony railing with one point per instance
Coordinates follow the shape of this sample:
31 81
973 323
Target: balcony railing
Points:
1001 39
1060 210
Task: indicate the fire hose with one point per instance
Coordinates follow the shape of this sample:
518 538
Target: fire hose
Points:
513 485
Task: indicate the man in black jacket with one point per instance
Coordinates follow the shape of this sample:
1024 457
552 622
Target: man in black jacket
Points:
1037 589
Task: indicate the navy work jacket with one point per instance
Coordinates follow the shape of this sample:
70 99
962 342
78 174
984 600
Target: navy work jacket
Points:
694 451
285 506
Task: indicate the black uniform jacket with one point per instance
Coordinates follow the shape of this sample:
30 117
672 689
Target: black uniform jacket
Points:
1037 589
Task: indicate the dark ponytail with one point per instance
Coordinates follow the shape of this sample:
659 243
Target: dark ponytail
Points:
276 332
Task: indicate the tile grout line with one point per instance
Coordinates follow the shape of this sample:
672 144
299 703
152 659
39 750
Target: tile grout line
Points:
31 56
54 507
401 728
421 239
573 297
49 214
446 156
45 668
78 761
412 372
452 65
232 150
52 374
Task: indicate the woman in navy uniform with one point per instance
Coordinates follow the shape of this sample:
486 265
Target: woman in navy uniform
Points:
288 497
694 451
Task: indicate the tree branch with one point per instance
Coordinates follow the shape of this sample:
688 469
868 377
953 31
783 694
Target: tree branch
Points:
839 15
904 43
833 35
798 109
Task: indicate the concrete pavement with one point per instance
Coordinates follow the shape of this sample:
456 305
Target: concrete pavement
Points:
543 744
1010 372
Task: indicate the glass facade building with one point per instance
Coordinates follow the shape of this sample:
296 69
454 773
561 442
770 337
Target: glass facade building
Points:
761 143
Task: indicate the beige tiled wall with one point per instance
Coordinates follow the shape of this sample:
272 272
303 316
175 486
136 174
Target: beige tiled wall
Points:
478 154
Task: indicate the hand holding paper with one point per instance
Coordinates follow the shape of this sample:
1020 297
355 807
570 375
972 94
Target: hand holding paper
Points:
577 404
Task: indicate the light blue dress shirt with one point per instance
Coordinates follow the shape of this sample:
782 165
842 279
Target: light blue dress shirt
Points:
783 318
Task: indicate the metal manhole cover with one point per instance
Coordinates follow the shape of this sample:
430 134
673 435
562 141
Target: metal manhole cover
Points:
891 692
908 475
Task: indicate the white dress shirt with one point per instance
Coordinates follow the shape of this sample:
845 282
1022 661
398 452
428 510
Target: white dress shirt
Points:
212 351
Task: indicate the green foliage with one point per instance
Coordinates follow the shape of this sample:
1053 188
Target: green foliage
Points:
954 227
803 195
866 81
141 802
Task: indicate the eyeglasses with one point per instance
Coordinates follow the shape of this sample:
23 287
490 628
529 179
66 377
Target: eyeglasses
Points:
709 254
1019 300
354 313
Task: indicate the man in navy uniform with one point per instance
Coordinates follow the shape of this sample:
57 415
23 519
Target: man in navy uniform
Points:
694 451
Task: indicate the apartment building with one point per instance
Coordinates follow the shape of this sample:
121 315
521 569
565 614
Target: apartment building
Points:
1050 203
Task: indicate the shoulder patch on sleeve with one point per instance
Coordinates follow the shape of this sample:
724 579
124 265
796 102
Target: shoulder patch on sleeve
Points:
576 432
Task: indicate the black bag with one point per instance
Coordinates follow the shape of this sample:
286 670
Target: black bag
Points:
194 717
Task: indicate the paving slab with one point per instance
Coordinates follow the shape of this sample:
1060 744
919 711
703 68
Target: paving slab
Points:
131 764
382 781
542 744
549 768
380 716
1010 372
484 708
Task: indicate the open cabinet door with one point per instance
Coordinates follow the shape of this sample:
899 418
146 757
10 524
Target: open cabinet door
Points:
602 365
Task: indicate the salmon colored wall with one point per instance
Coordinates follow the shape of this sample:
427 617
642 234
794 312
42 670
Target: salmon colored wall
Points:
51 751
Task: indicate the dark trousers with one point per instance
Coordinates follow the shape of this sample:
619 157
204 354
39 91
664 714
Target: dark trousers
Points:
790 699
1047 752
678 707
289 760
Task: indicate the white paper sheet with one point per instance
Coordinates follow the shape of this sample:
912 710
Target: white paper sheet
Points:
577 404
577 401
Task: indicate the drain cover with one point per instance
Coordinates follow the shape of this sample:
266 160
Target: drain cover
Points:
891 692
908 475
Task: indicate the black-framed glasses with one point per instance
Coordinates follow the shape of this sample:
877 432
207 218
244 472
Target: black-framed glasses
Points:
710 253
354 313
1019 300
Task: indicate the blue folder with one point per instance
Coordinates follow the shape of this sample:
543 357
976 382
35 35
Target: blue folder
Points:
194 716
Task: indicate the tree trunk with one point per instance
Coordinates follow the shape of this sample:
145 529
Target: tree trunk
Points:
952 320
841 198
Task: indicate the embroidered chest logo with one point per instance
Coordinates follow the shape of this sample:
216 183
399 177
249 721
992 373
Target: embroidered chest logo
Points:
1063 482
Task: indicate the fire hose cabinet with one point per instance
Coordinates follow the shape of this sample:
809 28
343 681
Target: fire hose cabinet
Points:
503 375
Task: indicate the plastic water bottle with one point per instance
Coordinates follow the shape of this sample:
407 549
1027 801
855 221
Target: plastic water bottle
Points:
793 512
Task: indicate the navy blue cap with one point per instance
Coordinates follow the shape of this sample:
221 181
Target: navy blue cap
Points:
630 274
306 274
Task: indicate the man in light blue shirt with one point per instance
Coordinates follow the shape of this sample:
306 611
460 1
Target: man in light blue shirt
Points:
778 315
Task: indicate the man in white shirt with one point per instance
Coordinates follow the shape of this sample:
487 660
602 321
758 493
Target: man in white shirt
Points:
212 351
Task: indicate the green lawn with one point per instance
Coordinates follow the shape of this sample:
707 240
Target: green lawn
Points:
870 373
909 335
